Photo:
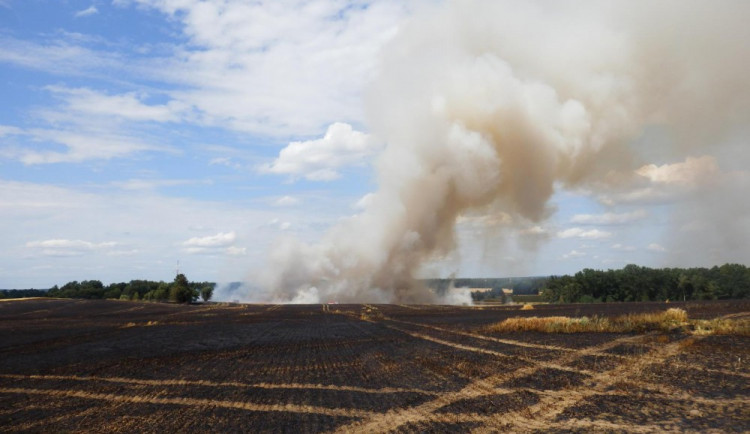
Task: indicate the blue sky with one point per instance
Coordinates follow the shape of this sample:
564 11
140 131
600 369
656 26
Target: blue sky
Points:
136 135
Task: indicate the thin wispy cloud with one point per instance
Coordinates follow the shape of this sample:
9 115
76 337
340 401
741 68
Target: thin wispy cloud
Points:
609 218
65 247
91 10
590 234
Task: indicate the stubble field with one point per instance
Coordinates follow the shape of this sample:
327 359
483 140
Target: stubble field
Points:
110 366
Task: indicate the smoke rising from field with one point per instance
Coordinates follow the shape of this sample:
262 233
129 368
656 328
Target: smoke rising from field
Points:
487 107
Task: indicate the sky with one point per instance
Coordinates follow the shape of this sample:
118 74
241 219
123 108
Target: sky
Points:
141 137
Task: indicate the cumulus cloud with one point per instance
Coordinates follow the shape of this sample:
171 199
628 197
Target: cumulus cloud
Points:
591 234
671 182
320 159
609 218
693 171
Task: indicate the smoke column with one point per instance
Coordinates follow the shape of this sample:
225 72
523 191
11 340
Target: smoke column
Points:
489 106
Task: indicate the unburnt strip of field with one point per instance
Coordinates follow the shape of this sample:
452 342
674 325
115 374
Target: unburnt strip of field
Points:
110 366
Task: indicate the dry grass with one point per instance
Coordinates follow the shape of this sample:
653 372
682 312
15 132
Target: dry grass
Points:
721 326
659 321
20 299
527 306
370 313
143 324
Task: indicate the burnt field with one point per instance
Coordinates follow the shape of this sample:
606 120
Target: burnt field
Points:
110 366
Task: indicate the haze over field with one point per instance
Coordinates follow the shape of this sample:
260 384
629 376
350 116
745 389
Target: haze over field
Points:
333 150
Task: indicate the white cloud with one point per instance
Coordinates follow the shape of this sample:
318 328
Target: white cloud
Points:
69 244
64 247
91 10
534 230
592 234
691 172
236 251
279 224
60 56
8 130
224 161
656 248
573 254
219 244
128 106
275 67
222 239
319 160
674 182
624 248
89 126
81 146
151 184
286 201
609 218
154 224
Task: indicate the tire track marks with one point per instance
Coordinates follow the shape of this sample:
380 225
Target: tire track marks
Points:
189 402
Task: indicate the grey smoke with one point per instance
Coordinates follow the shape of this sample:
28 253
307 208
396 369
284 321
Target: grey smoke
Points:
487 107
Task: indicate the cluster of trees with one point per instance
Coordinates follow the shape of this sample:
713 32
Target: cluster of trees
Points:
22 293
634 283
180 290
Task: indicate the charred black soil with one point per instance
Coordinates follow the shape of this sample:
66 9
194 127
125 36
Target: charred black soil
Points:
111 366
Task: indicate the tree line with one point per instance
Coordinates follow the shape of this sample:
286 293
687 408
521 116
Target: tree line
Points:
179 291
634 283
22 293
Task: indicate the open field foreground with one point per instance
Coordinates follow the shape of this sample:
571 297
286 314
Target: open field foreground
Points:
110 366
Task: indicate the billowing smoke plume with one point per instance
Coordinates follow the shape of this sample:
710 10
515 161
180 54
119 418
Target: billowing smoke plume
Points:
489 106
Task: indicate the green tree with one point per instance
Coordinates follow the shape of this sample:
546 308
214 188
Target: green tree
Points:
181 291
162 291
207 291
